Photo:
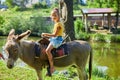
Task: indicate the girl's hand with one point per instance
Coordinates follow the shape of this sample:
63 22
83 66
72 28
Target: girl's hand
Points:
43 34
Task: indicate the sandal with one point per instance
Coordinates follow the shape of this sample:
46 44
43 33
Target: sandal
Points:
50 71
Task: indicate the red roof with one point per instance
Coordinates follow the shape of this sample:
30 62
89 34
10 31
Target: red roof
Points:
97 10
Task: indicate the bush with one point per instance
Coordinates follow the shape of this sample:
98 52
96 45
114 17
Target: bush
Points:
76 7
115 38
36 24
1 21
79 26
39 5
80 30
99 37
16 8
82 36
105 38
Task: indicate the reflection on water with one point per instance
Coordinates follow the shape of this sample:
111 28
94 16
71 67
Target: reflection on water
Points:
106 56
103 69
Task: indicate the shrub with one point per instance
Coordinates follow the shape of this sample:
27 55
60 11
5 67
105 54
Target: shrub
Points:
76 7
36 24
115 38
1 21
79 26
39 5
98 37
16 8
82 36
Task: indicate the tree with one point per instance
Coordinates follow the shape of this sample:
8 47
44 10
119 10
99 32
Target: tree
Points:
117 12
66 9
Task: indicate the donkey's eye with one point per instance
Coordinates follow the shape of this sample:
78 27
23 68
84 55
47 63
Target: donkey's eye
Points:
15 50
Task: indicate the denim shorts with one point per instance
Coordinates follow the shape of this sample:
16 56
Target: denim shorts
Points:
56 41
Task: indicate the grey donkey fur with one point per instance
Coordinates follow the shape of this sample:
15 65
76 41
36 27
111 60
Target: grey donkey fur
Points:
17 47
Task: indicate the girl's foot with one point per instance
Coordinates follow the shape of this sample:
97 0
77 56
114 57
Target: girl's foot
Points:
52 70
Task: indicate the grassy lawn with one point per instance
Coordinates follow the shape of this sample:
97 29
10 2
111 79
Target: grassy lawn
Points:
17 73
27 73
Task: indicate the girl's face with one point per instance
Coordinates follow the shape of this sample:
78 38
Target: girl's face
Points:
54 16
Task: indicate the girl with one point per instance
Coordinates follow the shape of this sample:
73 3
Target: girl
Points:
55 37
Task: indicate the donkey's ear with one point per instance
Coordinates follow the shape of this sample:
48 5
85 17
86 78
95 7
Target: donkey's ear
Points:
23 35
12 32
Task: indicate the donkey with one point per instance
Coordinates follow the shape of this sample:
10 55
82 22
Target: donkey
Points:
17 47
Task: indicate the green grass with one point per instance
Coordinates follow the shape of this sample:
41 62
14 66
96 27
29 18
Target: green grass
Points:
17 73
27 73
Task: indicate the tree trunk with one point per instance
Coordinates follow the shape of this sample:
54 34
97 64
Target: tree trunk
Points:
117 14
69 24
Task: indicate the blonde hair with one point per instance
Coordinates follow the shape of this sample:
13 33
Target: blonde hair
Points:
56 10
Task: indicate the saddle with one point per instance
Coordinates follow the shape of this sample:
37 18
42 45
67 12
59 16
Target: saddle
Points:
59 52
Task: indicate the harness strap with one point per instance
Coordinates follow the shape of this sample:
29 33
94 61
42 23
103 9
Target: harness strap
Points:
37 50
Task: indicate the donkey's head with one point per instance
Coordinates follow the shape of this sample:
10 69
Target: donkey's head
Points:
11 47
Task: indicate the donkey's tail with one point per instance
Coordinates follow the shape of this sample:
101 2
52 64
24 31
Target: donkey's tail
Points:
90 64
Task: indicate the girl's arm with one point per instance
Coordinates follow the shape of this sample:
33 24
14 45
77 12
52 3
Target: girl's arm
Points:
53 34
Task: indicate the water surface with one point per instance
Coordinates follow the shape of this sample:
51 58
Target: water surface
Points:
107 57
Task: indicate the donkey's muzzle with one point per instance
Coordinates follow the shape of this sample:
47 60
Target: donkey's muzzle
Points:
10 66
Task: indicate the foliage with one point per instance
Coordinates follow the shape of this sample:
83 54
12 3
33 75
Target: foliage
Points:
54 5
79 26
104 4
105 38
1 25
9 3
76 7
36 24
99 37
16 8
39 5
115 38
82 36
1 21
99 4
80 30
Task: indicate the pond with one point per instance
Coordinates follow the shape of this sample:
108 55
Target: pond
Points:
106 56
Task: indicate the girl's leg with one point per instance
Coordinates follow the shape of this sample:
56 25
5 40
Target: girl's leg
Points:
50 57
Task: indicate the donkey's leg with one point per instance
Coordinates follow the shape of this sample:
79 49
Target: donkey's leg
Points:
39 74
81 73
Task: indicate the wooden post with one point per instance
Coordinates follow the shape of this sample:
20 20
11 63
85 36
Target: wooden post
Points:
86 23
109 21
103 19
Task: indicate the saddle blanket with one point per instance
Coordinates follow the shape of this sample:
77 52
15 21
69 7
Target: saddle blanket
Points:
59 52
